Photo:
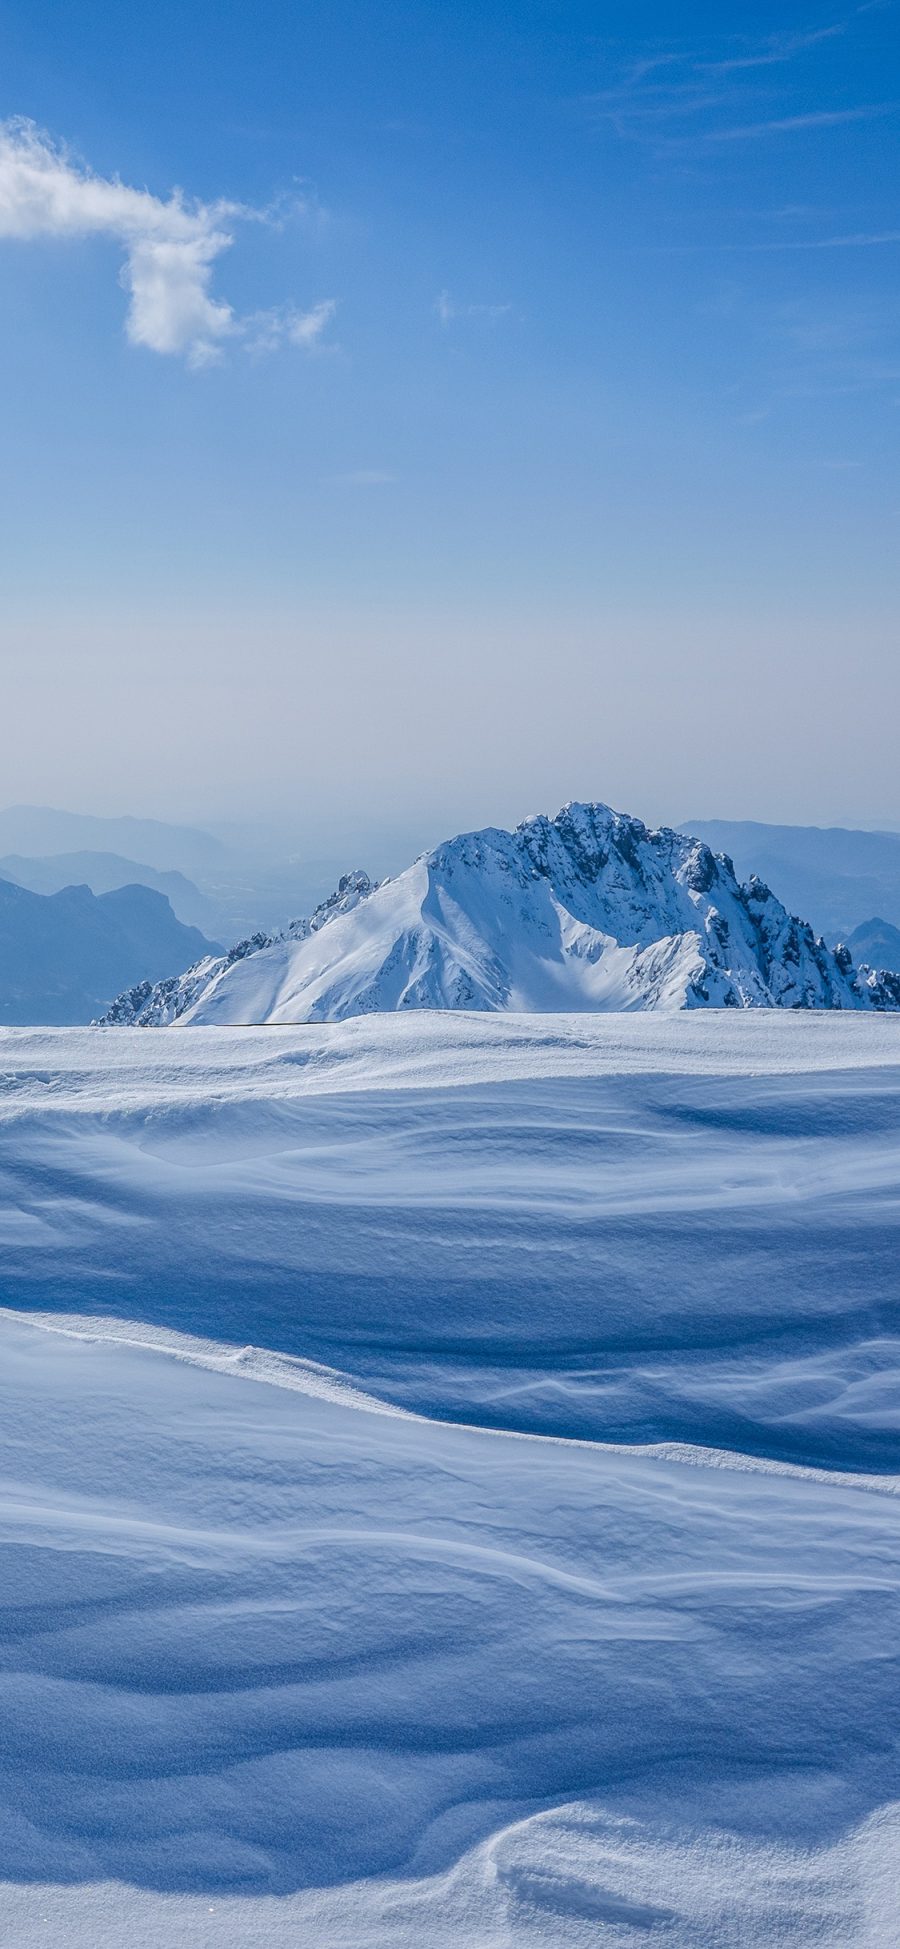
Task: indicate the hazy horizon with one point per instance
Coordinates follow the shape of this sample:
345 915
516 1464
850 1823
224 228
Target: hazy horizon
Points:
319 848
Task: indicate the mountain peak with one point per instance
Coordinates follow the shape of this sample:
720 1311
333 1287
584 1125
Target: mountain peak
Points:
588 910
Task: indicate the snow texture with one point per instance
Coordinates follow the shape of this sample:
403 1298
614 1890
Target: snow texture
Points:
450 1484
587 911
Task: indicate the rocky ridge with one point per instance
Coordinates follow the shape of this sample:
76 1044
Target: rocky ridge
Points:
590 910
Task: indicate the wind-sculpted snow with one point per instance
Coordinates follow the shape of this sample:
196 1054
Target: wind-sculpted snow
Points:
295 1648
426 1684
629 1228
587 911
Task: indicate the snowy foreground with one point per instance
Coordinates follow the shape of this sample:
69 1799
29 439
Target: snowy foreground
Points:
451 1484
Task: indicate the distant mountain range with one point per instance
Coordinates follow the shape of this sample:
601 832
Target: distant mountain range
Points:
225 886
876 942
37 831
587 911
104 873
63 956
838 877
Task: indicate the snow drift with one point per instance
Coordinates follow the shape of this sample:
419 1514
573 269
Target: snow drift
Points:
318 1626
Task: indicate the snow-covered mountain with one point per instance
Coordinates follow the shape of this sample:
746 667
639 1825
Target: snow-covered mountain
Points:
839 877
589 911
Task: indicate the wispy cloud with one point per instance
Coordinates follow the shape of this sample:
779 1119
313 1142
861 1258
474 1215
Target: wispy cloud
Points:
306 327
651 64
834 347
688 93
647 100
448 310
776 49
857 240
265 331
825 118
782 246
170 247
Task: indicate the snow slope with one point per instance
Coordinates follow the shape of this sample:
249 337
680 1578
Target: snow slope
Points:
587 911
632 1227
450 1484
280 1670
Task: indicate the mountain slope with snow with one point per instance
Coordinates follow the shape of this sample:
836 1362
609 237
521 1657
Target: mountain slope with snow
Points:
589 911
835 875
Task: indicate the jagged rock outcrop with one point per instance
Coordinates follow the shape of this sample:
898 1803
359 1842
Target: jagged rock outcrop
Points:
590 910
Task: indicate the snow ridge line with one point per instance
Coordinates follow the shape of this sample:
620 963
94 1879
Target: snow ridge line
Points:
320 1382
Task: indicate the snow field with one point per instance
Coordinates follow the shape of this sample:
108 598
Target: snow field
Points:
361 1657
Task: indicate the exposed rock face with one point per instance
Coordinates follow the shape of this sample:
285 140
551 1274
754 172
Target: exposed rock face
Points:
587 911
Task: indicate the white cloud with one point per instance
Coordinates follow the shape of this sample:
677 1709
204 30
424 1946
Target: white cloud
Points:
170 245
171 309
285 325
448 310
306 327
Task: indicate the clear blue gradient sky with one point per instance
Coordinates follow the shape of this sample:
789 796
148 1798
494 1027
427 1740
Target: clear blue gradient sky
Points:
529 432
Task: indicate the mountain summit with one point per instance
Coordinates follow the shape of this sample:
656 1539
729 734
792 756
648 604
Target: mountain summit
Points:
588 911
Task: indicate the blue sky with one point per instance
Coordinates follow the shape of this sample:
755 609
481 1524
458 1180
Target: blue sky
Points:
534 434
